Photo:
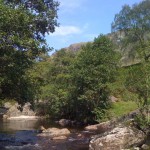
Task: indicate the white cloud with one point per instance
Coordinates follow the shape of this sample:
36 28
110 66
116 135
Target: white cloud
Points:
66 30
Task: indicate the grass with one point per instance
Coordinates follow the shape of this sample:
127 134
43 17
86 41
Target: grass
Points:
121 108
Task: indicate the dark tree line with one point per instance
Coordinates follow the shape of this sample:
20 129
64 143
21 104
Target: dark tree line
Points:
23 25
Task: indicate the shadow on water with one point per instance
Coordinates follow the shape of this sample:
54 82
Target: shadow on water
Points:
22 135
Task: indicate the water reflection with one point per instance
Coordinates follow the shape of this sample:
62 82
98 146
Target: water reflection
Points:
22 135
13 125
23 124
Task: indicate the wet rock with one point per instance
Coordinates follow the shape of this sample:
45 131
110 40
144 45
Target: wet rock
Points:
65 122
117 139
55 132
42 128
60 138
92 127
101 127
145 147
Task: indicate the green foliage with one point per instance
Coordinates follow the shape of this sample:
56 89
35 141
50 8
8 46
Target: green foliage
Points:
134 25
22 38
121 108
118 87
142 120
56 88
94 68
75 84
138 81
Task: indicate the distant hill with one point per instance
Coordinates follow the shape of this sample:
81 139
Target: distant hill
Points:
126 59
76 46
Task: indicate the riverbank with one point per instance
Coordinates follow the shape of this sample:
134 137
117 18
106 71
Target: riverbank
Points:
122 111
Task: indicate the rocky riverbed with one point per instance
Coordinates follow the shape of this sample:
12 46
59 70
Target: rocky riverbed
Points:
23 130
26 135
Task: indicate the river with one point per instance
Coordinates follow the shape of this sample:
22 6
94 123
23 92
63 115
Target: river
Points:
22 135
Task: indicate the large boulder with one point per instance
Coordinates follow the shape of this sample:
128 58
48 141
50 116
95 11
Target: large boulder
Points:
27 111
14 110
117 139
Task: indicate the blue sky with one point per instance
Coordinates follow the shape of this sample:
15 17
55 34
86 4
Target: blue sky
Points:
83 20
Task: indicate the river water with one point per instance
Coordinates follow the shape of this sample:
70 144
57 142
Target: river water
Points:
22 135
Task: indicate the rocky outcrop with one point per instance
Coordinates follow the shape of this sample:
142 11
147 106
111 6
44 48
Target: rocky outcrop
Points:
27 110
117 139
15 110
109 125
76 46
55 132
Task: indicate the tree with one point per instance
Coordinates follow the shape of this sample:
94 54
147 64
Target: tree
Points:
94 67
134 25
23 25
76 83
138 81
55 91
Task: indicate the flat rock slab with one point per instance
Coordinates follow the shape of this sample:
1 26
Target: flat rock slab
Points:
55 132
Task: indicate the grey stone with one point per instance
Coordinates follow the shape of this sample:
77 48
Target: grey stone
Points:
55 132
15 111
117 139
145 147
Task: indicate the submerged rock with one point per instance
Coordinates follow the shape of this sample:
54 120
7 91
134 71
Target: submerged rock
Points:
55 132
117 139
60 138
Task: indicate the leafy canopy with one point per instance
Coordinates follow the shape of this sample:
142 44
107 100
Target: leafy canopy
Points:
23 26
134 25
